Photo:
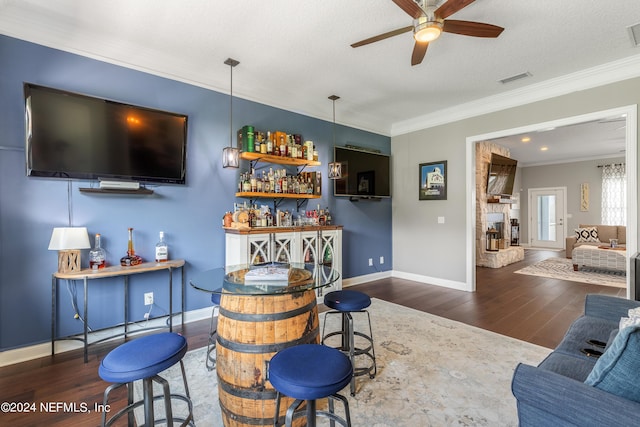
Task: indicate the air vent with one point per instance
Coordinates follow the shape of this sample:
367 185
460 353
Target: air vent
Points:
516 77
634 33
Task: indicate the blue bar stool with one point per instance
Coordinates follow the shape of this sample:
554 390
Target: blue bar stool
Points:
308 372
143 359
210 361
346 303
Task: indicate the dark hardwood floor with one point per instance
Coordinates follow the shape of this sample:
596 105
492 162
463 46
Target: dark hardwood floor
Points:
533 309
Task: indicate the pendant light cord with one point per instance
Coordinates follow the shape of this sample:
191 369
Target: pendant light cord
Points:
231 63
70 202
334 98
231 108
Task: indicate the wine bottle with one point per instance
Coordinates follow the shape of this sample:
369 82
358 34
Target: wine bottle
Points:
162 249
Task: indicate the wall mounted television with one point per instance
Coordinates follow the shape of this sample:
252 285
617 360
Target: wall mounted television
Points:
74 136
364 173
501 176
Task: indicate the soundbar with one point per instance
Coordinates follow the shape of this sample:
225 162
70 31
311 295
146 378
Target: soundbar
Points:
119 185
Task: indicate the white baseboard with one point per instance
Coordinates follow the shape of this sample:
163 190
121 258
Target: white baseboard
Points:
352 281
23 354
461 286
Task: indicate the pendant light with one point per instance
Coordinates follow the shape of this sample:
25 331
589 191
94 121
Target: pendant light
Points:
231 154
335 168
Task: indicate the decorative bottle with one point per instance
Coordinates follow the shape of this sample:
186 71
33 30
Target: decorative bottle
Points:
131 258
162 249
97 255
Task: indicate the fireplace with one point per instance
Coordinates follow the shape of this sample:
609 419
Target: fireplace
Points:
496 231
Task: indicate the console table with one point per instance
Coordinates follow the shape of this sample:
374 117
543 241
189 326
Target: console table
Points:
113 271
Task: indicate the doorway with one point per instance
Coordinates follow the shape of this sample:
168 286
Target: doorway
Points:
546 215
630 113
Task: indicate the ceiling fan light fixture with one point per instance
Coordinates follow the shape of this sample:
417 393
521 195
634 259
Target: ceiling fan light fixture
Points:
428 31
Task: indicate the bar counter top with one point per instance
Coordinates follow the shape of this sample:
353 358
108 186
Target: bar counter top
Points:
262 230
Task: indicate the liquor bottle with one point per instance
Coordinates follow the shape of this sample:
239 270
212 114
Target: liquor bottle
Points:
162 249
272 181
309 186
269 143
246 183
258 143
253 183
250 139
131 258
269 218
97 255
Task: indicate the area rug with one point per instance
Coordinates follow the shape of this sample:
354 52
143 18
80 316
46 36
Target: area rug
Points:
431 372
562 268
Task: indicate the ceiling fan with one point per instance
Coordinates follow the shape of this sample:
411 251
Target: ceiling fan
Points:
429 21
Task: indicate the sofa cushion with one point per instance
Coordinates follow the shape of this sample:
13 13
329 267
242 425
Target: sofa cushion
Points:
606 232
622 235
573 367
581 330
617 371
587 234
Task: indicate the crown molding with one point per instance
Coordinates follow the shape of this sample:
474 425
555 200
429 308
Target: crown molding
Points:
611 72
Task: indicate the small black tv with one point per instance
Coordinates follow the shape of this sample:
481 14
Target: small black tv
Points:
74 136
363 173
501 176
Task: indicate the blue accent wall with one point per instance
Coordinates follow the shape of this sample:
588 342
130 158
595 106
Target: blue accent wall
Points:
190 215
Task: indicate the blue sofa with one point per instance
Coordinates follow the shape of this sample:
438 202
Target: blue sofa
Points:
555 393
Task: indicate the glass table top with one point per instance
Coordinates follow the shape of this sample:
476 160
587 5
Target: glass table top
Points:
271 278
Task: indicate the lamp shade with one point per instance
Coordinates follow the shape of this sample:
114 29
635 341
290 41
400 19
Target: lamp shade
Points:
67 238
335 170
230 157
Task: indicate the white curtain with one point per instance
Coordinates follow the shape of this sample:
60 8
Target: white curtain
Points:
614 194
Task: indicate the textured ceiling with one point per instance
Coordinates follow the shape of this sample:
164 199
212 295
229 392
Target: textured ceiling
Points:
595 139
295 53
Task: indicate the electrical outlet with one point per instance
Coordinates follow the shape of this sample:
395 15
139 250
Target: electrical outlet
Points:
148 298
381 260
370 262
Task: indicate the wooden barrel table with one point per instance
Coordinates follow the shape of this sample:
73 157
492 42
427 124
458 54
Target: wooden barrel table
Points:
251 329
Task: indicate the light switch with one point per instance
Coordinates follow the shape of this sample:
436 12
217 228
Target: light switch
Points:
440 220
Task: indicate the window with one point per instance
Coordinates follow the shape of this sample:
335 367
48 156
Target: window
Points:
614 194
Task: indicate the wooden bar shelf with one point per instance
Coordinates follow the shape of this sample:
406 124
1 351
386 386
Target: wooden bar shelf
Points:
278 159
256 194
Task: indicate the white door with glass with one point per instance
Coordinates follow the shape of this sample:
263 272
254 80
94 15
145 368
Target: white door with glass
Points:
547 212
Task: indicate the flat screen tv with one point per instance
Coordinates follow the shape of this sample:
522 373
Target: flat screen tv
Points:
74 136
501 176
363 173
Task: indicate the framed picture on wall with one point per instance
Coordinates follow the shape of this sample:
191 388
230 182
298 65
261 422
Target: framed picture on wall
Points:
432 181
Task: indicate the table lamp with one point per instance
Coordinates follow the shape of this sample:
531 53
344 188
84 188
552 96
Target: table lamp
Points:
68 241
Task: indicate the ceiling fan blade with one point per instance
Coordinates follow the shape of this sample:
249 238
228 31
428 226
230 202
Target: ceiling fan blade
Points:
382 36
470 28
451 7
411 7
419 50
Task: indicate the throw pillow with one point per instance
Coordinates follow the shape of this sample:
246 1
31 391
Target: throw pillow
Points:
588 234
633 319
617 371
